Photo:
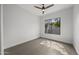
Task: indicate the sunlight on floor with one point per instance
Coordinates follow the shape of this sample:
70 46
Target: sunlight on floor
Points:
54 45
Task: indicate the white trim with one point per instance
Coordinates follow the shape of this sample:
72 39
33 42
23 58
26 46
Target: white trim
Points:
2 49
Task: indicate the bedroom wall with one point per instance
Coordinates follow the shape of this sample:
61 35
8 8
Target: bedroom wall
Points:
0 28
19 25
76 28
66 25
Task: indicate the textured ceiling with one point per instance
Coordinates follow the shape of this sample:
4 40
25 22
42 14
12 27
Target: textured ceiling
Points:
30 8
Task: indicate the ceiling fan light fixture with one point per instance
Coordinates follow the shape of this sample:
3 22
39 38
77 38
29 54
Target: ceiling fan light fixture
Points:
43 9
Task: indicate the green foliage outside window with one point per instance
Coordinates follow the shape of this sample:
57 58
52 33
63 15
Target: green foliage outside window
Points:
56 24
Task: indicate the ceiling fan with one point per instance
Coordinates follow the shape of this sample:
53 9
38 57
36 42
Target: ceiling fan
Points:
43 7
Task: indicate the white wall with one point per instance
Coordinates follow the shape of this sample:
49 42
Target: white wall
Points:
66 25
76 28
0 27
19 25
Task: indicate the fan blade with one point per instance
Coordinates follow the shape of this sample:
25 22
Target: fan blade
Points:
49 6
37 7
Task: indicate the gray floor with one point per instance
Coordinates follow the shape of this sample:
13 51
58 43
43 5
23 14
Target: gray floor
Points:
41 46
